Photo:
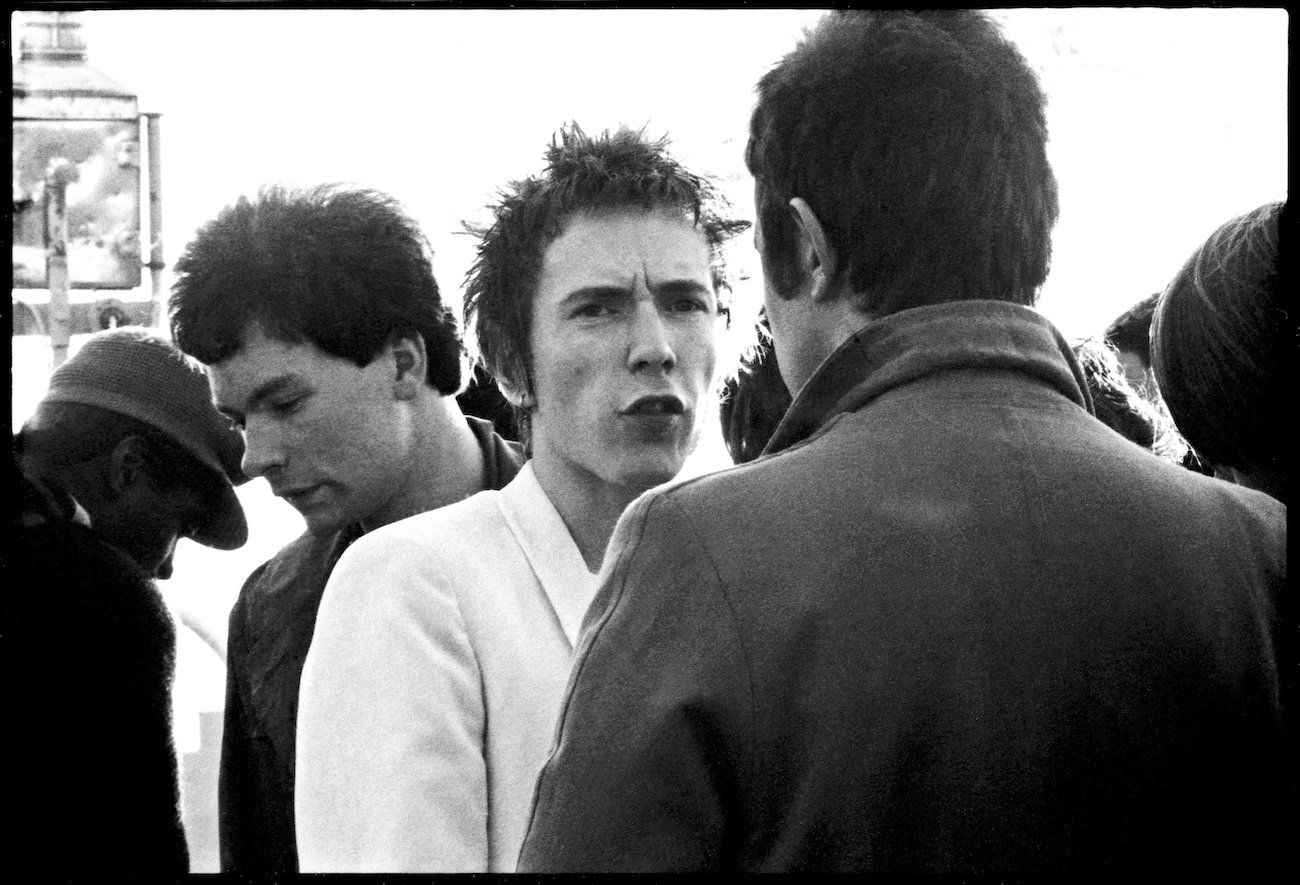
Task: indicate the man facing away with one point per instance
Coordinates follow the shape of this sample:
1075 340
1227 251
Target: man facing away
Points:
950 622
123 456
430 693
327 344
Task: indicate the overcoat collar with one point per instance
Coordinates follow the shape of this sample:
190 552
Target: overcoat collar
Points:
912 344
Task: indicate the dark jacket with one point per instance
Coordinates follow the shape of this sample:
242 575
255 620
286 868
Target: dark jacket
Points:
949 623
92 788
271 627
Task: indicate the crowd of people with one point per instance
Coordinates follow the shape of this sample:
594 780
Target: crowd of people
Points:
972 600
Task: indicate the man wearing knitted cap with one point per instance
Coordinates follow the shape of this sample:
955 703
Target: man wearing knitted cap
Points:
123 456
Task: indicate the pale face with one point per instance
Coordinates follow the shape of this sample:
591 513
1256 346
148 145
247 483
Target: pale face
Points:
331 438
624 336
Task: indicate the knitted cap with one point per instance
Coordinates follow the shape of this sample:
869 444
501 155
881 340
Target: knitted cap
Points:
137 372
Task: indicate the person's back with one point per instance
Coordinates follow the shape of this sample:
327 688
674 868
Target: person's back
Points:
97 714
1007 640
949 622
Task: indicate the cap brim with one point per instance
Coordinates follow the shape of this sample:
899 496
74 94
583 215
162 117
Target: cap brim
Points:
226 528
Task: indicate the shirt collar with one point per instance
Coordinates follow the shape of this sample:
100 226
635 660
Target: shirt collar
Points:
912 344
550 550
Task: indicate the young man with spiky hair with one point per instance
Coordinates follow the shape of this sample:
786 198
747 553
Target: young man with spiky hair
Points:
328 346
949 622
433 683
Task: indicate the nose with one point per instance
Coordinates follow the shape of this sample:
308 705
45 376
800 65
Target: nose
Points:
263 452
650 347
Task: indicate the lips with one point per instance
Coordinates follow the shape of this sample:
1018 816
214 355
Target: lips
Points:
296 496
662 406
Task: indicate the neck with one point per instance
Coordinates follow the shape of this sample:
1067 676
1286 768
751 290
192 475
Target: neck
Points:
446 463
590 509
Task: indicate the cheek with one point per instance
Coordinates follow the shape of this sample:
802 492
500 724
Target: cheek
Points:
701 348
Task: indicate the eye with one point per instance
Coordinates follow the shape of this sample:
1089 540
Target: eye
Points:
691 304
287 406
236 424
593 310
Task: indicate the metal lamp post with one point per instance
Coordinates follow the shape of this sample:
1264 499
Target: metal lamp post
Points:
77 186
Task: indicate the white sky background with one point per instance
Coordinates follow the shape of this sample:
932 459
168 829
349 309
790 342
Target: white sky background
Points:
1164 124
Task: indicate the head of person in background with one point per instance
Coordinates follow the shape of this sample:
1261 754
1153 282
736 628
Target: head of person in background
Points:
1115 402
754 401
329 347
1130 335
128 431
1222 340
598 297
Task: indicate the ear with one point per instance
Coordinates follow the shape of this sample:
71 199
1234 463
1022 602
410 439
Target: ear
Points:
409 362
814 250
126 466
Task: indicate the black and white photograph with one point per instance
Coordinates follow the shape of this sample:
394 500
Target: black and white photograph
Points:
567 438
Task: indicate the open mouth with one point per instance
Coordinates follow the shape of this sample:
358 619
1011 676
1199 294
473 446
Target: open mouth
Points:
655 407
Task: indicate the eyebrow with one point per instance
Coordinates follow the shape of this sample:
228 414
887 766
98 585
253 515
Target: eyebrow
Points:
603 293
669 287
264 391
682 287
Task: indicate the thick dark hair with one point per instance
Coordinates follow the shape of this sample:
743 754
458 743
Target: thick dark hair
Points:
1221 340
583 173
919 140
1131 330
344 269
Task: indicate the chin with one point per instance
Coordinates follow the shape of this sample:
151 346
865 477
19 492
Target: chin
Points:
645 476
322 525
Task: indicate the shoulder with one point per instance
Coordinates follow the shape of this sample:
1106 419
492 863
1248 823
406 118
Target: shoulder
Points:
466 529
97 594
410 564
285 590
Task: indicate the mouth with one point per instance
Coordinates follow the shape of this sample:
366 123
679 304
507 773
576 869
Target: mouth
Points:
296 496
654 407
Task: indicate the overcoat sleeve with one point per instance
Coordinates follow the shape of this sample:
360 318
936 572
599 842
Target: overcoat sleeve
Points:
391 774
654 742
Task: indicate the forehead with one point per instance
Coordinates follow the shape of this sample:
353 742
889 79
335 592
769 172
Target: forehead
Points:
261 359
612 247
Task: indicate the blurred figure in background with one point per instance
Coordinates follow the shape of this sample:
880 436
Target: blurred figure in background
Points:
123 456
329 346
1130 335
1121 407
444 642
754 401
1223 344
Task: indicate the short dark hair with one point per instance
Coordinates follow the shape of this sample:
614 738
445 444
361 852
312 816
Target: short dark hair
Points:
344 269
1220 339
919 140
583 173
1131 330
